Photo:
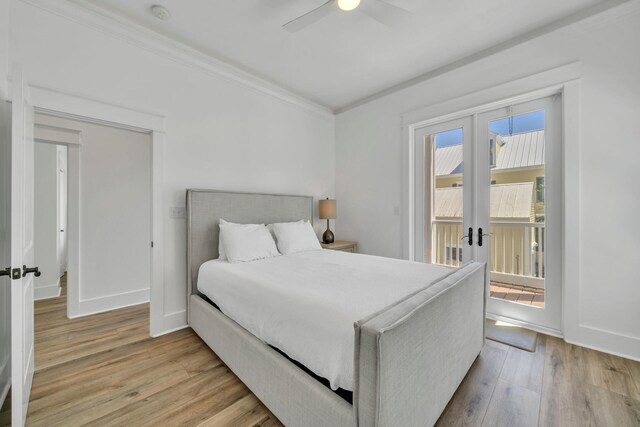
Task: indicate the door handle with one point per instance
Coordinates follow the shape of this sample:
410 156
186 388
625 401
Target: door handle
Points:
470 236
34 270
480 236
15 273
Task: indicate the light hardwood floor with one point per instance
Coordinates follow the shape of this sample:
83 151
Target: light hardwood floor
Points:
104 370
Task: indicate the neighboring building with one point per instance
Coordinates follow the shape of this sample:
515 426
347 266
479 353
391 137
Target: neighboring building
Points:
516 159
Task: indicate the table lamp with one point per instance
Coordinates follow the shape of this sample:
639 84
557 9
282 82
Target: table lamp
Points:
327 211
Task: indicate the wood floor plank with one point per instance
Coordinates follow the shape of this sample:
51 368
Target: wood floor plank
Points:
271 421
138 377
109 357
565 401
570 399
59 353
470 402
216 400
634 371
244 412
512 405
525 368
172 399
610 372
612 409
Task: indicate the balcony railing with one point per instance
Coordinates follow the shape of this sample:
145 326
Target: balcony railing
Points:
517 249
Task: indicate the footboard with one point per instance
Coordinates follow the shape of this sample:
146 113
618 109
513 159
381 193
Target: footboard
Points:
411 357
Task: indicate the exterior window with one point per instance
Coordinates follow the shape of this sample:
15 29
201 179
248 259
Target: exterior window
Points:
494 182
540 189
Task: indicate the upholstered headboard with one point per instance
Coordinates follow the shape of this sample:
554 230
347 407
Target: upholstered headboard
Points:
206 207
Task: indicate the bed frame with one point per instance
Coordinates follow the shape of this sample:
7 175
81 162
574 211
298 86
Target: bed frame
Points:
409 358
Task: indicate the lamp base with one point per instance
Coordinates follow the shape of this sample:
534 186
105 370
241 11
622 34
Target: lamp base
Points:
327 236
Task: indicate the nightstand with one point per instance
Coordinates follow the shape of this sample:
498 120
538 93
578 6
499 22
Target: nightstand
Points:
341 245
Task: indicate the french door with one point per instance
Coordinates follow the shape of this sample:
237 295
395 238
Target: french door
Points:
487 187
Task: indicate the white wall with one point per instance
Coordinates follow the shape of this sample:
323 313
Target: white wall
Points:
4 45
46 220
219 133
369 163
115 215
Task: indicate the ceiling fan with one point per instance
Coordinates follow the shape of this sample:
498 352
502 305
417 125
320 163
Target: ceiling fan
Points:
380 10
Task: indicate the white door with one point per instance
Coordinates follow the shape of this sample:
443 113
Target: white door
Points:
443 184
22 338
5 248
519 181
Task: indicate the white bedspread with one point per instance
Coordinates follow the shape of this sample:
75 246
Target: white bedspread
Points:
305 304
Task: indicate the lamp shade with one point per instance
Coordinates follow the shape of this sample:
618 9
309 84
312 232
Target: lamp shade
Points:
327 209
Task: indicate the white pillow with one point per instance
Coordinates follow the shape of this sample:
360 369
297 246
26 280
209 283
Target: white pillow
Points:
270 228
222 253
295 237
243 244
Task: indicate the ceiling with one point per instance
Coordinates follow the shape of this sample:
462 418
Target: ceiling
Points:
347 56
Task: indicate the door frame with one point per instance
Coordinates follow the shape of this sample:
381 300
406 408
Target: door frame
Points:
565 80
70 106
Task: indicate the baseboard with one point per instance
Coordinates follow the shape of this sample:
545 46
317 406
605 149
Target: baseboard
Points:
588 337
5 380
46 292
111 302
606 342
172 322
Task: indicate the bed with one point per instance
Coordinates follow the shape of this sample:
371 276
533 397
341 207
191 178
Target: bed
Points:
409 349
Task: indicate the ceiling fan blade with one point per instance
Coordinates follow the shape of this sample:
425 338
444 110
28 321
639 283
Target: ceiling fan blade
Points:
310 17
386 13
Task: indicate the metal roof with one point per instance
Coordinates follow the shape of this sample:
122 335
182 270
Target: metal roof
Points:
448 160
519 151
513 201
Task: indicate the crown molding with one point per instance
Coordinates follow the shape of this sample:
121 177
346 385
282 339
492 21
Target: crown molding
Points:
84 13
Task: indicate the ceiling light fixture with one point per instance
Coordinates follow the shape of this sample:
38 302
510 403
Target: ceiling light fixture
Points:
348 5
160 12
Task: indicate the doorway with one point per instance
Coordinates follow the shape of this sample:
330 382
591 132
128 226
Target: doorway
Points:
109 244
50 221
488 188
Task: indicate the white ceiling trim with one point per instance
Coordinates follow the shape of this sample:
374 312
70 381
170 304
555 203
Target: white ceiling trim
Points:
84 13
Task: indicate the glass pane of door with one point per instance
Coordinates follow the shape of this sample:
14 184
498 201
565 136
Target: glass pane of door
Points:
517 207
445 229
443 201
